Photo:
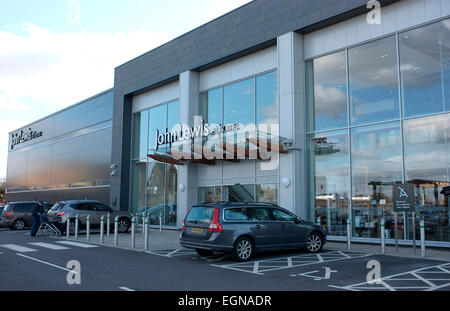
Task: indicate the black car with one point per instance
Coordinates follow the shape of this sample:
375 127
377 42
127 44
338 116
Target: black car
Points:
245 228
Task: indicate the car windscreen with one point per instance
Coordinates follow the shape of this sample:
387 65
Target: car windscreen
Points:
200 215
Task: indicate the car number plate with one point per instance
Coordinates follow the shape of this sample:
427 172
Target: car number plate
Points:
197 230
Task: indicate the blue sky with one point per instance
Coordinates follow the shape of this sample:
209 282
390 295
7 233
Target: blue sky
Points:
48 46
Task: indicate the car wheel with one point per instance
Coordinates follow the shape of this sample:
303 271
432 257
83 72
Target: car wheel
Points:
124 225
18 224
204 252
243 249
314 242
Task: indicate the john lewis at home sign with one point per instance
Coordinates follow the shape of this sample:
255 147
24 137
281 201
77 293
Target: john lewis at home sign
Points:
24 136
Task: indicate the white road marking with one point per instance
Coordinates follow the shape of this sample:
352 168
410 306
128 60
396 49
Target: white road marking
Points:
127 289
77 244
18 248
49 246
260 266
409 276
47 263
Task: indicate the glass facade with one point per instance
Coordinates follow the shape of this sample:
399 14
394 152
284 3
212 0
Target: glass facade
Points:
153 184
393 127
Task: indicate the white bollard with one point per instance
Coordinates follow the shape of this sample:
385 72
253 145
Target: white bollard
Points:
146 234
144 216
102 228
68 227
382 236
160 222
88 227
349 235
76 226
133 229
108 224
116 231
422 237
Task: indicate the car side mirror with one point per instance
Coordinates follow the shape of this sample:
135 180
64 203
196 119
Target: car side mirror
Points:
297 220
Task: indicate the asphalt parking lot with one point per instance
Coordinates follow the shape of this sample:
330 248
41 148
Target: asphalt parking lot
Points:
41 264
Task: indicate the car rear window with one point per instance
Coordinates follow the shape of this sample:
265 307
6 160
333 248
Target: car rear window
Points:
7 208
200 214
236 214
57 207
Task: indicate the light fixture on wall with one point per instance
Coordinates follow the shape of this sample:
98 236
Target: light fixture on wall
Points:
114 170
181 187
285 182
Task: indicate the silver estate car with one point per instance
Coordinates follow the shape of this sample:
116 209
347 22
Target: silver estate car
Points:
245 228
64 210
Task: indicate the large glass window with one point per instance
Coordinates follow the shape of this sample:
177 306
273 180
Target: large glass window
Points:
266 99
209 194
158 121
327 92
267 193
427 165
328 155
138 181
425 68
239 102
211 106
140 135
376 167
374 82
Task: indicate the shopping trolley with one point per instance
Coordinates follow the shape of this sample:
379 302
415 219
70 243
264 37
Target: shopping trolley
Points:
47 226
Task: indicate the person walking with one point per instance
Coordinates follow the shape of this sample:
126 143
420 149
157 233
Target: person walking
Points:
36 217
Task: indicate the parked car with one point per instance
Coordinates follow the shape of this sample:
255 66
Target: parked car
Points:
245 228
2 207
17 215
64 210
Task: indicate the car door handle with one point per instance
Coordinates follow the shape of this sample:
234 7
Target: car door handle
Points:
257 227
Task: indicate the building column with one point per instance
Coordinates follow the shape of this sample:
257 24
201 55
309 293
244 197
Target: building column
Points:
291 73
187 173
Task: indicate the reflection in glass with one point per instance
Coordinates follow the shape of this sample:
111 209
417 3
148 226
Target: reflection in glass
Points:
138 180
140 135
239 193
266 99
376 167
173 117
170 210
209 194
211 106
158 121
374 82
155 191
427 165
239 102
327 92
328 156
425 68
267 193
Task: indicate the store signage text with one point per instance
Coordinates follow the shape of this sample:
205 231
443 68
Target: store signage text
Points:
197 131
24 136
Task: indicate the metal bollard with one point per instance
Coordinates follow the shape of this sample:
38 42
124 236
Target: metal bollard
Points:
160 222
422 237
76 226
349 235
146 234
144 216
68 227
383 242
116 230
108 224
133 229
88 227
102 228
